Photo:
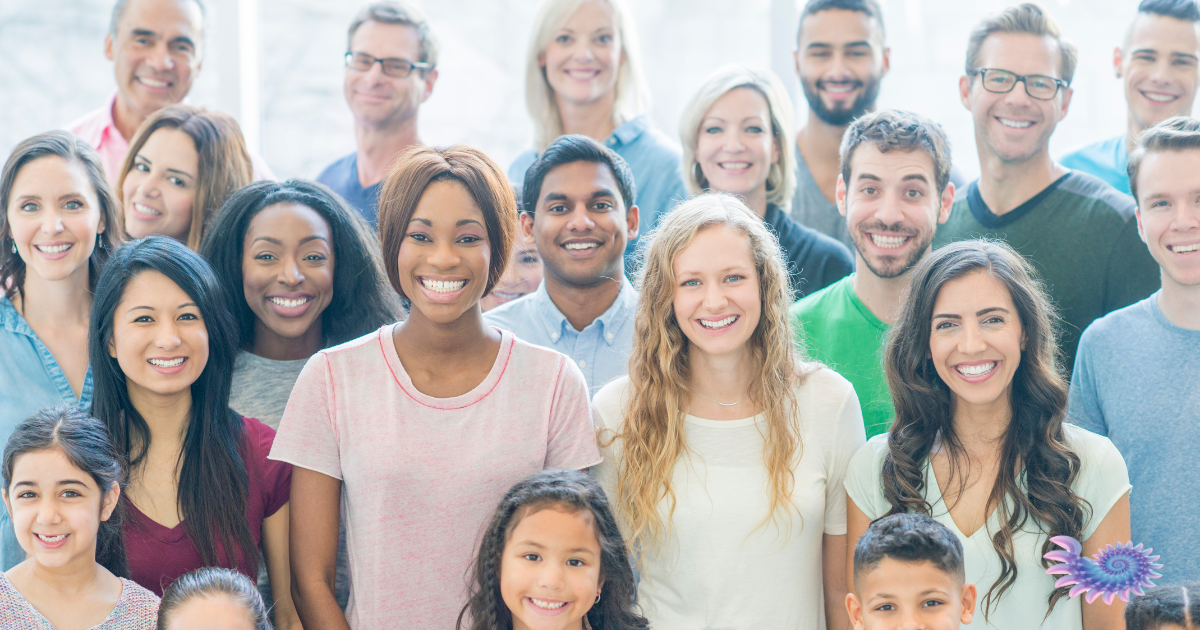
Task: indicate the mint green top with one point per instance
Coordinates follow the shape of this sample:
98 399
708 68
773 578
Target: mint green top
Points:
837 329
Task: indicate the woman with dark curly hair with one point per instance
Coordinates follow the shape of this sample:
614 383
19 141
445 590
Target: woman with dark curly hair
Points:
979 441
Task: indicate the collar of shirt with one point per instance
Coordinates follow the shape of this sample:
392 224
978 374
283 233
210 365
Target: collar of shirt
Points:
12 321
628 132
556 324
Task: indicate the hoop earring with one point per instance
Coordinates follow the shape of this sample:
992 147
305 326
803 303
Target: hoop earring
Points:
597 597
14 247
774 173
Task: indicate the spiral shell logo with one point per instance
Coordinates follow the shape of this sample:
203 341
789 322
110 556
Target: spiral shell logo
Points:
1116 571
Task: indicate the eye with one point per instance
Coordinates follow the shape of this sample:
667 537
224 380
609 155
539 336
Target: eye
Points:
868 190
603 206
28 494
887 607
818 53
605 39
995 319
575 562
733 277
943 325
469 240
563 39
1183 62
316 257
265 256
71 494
929 603
856 53
142 167
529 259
557 208
754 129
183 48
420 238
713 129
690 283
532 557
1144 57
72 205
912 194
29 207
177 182
144 319
142 40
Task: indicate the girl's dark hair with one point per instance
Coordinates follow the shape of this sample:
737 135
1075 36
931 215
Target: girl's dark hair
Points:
213 488
1179 605
363 299
213 582
85 442
1033 446
68 147
563 489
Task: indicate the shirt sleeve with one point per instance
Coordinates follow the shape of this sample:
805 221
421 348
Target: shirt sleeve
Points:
1132 273
849 436
572 438
307 432
1083 403
276 482
1103 477
864 478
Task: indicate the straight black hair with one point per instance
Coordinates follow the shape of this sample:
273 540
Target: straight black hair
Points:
213 488
1179 605
85 442
576 148
1178 9
211 582
563 489
909 538
363 300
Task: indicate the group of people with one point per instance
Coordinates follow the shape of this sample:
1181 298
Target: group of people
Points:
779 378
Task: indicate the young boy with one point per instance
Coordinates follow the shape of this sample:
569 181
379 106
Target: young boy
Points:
909 573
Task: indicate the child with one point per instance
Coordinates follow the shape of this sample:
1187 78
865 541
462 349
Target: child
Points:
62 481
212 597
1165 608
551 556
909 567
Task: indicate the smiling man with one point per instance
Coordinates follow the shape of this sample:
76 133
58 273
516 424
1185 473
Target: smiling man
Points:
578 202
391 66
1160 69
1077 231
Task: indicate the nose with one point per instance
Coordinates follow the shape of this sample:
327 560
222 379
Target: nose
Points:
889 211
48 513
714 297
1187 217
160 57
52 223
733 142
972 340
579 221
166 335
443 256
551 576
583 51
291 274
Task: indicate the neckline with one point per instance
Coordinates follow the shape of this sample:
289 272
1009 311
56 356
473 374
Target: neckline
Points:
723 424
8 585
931 482
479 392
860 306
988 219
154 528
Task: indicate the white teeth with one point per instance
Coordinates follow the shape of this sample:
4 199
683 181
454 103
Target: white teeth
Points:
443 286
1160 98
152 82
147 210
839 89
976 370
720 323
888 242
167 363
588 245
541 603
735 165
52 539
286 303
1185 249
506 296
1015 124
53 249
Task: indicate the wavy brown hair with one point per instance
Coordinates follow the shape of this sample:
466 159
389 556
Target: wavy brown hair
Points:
1033 444
652 435
224 164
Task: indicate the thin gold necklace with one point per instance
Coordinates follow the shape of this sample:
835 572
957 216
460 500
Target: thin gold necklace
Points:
719 402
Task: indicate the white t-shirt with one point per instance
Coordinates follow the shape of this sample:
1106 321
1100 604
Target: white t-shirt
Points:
421 476
720 569
1102 480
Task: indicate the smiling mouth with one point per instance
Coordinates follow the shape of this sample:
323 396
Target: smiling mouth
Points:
51 539
146 210
503 295
1159 97
167 363
443 286
734 166
889 242
54 249
154 83
1184 249
578 245
973 371
1015 124
546 604
286 303
718 324
583 74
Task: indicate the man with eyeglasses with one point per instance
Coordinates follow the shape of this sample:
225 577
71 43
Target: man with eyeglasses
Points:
1079 232
391 66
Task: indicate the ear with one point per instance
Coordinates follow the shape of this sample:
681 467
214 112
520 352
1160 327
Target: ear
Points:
632 222
964 91
969 594
542 60
1137 212
854 608
1118 61
430 78
527 225
110 501
839 195
947 203
887 61
112 347
108 47
796 59
7 505
1067 92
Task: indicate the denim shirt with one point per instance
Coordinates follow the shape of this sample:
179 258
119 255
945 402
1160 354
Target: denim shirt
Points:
601 349
30 379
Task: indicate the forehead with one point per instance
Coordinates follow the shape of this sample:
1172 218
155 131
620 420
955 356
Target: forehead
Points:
382 40
590 16
447 201
1022 53
287 216
894 164
51 177
898 577
838 27
974 291
740 102
579 178
169 18
151 287
48 466
552 525
169 144
715 248
1162 33
1169 173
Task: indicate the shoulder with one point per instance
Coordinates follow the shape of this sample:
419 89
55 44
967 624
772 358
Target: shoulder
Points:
813 304
869 458
137 602
1119 325
512 313
528 356
1098 195
659 145
89 126
337 170
1098 153
609 403
364 346
823 388
1096 453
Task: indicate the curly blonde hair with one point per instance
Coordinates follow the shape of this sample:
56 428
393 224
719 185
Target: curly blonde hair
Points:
652 435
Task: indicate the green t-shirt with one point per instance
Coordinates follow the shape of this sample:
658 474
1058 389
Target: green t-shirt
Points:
1081 236
837 329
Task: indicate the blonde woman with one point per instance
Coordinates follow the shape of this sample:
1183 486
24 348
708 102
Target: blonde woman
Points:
735 134
724 451
584 76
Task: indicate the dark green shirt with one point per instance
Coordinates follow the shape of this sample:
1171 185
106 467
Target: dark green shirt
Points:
1081 236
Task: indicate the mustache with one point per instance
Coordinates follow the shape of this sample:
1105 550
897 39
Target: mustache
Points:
895 228
854 83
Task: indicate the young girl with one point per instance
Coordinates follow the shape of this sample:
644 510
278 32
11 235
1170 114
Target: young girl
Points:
552 556
723 451
183 163
413 432
980 444
62 485
201 490
59 223
521 277
212 598
1165 608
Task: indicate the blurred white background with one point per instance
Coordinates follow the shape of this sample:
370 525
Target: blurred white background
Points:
277 65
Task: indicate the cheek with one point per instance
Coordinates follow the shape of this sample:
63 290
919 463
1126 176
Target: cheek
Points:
180 203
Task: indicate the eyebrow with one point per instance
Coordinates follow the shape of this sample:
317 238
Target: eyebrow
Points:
462 222
64 482
846 45
151 308
978 313
275 241
535 545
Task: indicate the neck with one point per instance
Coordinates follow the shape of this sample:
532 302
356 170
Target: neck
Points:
378 145
881 296
724 378
981 427
65 303
167 415
819 140
1180 304
269 344
581 305
462 337
756 200
594 119
1006 185
127 117
78 577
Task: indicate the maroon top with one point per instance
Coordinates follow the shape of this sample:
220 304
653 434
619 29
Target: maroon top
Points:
158 554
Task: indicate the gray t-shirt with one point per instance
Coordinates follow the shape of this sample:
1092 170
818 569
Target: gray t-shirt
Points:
261 386
1137 381
811 209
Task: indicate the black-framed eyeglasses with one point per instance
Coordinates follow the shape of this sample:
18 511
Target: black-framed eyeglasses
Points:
397 68
1038 86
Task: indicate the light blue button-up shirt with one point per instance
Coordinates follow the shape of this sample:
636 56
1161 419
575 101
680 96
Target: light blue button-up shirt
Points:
601 350
30 379
654 159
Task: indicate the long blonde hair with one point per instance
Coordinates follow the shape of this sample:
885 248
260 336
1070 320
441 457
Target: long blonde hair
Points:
632 95
652 436
781 180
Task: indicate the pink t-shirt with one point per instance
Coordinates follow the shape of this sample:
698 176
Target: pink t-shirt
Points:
421 475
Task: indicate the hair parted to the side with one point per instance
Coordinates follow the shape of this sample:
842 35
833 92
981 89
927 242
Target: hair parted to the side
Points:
652 436
85 442
869 7
405 14
1029 18
362 298
213 583
66 146
567 490
632 94
1179 133
1033 452
223 162
1166 605
418 167
781 182
898 130
909 538
213 489
1179 9
569 149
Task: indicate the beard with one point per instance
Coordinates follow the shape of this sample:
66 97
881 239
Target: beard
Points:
841 116
886 266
